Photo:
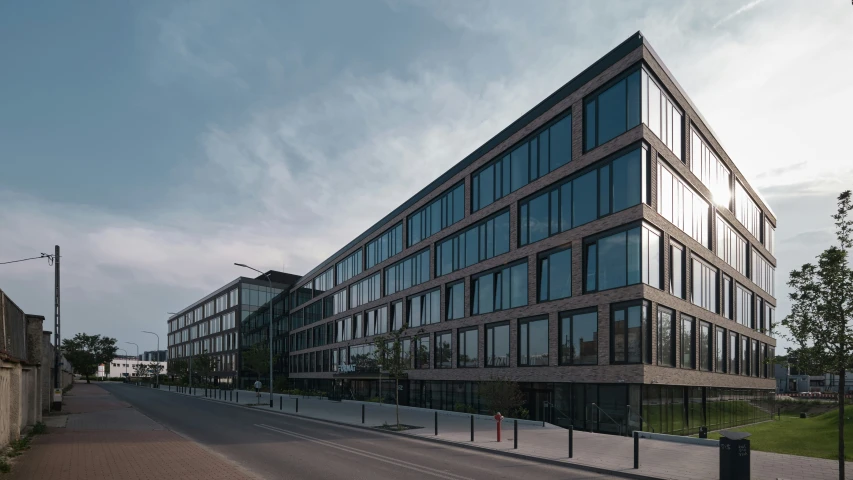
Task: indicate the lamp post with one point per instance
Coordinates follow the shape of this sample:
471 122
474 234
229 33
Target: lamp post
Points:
270 335
125 363
157 382
137 352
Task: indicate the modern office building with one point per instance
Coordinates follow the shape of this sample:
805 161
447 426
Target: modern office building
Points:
212 325
153 356
603 251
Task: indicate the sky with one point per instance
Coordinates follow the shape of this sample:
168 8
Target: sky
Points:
160 142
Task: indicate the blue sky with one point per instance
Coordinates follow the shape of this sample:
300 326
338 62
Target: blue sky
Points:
159 142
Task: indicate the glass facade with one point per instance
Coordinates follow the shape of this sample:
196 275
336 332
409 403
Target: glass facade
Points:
533 342
365 291
710 170
763 274
688 342
731 247
483 241
747 212
500 290
666 337
769 237
544 152
661 114
348 267
743 303
682 206
704 291
623 258
614 186
386 246
439 214
467 344
497 345
443 356
455 307
630 333
579 337
676 270
612 112
424 309
555 275
407 273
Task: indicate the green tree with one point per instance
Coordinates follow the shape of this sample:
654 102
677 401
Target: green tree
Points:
204 365
257 360
86 352
502 395
821 319
140 369
393 360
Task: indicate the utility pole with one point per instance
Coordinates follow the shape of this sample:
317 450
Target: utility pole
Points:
57 357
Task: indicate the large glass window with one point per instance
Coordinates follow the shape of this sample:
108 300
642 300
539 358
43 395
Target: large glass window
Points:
579 338
364 291
630 334
397 313
721 349
385 246
442 350
407 273
706 347
704 291
731 247
424 309
483 241
666 337
746 211
727 297
544 152
456 300
661 114
678 203
676 270
753 350
710 169
614 186
733 366
769 237
744 355
555 275
324 282
533 342
348 267
439 214
763 274
343 329
377 321
340 301
612 111
688 342
422 352
769 317
466 345
497 345
743 305
500 290
623 258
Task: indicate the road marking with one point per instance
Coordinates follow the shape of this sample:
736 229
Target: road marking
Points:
364 453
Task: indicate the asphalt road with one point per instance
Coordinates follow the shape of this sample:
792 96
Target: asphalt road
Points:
280 446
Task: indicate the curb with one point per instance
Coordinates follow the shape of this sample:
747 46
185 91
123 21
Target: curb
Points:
510 454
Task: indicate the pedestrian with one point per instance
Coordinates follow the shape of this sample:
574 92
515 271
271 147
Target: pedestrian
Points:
258 386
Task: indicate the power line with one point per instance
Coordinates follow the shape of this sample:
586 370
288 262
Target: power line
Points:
49 258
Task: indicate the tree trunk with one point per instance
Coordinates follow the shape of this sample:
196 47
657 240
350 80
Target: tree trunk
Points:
841 424
397 398
87 378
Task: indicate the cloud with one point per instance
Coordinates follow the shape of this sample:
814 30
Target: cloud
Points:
745 8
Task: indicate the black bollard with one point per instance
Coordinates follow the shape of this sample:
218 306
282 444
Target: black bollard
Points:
472 428
280 402
571 438
515 434
636 449
238 396
297 404
436 423
362 413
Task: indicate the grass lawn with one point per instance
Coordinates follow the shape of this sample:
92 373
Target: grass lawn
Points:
810 437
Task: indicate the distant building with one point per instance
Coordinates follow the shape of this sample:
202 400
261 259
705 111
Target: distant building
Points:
153 355
125 366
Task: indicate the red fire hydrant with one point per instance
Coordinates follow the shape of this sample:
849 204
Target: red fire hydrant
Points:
498 418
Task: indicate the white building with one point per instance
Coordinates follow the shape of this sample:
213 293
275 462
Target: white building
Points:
122 366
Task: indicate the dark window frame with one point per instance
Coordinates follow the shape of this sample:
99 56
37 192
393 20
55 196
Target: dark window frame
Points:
528 321
539 277
570 314
637 67
486 352
593 239
645 332
459 344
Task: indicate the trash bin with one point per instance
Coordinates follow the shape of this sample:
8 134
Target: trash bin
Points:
734 455
703 432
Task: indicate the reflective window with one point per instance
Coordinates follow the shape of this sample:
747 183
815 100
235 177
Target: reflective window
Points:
407 273
500 290
676 270
422 352
439 214
579 338
324 282
442 350
456 300
340 301
769 317
710 169
763 274
555 275
497 345
376 321
483 241
661 114
688 341
612 112
754 370
678 203
533 342
348 267
733 366
343 329
614 186
364 291
397 316
630 334
731 247
384 247
727 297
424 309
769 237
743 306
466 345
720 365
746 211
358 326
704 291
666 337
540 154
624 258
744 356
706 347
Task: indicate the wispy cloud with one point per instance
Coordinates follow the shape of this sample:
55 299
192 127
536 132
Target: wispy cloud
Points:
745 8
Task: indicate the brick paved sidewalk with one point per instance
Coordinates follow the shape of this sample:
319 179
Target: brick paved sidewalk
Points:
109 440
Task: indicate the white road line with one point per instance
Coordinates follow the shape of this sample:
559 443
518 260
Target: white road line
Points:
364 453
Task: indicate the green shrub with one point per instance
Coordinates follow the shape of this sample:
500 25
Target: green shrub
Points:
4 466
463 408
39 428
521 413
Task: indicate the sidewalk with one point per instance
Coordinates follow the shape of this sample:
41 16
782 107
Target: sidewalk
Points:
103 438
658 459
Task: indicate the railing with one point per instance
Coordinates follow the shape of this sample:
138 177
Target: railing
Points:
619 425
630 411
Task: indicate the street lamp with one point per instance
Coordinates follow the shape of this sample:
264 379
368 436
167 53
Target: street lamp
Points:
271 295
137 354
125 363
157 356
